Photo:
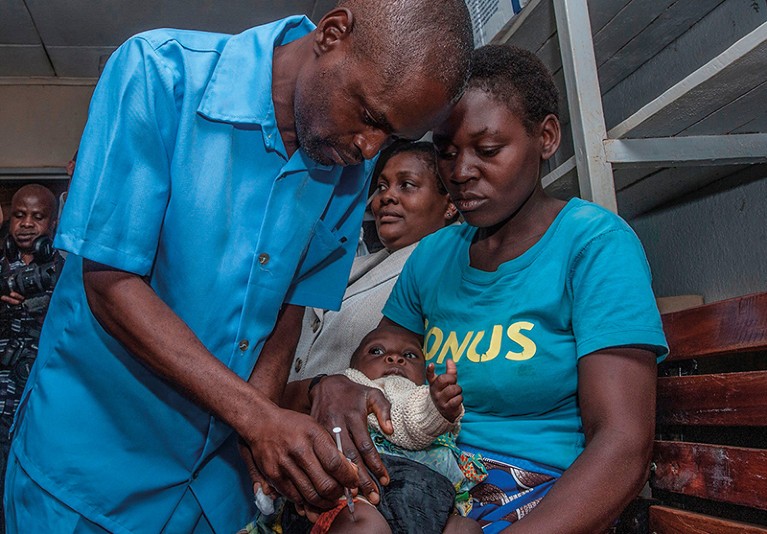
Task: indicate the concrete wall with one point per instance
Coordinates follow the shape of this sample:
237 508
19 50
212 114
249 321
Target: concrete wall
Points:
40 127
41 124
714 244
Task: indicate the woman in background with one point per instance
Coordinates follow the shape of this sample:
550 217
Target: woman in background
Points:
409 203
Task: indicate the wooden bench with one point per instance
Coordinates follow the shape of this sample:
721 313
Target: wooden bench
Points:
709 470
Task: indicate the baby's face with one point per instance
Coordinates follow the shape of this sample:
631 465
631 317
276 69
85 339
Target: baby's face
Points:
390 351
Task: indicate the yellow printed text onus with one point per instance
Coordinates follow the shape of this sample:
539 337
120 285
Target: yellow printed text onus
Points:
440 344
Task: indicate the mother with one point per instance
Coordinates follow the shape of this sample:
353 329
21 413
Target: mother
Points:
545 307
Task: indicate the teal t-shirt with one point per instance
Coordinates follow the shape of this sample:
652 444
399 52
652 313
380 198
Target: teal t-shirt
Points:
516 334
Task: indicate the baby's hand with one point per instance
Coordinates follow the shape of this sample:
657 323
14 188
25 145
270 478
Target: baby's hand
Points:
445 391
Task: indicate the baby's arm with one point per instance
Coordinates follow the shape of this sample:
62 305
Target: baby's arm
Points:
445 391
416 420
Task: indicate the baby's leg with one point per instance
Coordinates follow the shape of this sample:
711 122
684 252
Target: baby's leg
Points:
457 524
366 520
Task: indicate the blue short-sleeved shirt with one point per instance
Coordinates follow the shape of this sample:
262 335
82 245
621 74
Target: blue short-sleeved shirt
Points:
516 334
182 177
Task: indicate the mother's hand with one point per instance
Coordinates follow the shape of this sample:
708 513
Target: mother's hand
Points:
337 401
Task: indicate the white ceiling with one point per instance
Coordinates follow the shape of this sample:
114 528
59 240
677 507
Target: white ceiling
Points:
71 38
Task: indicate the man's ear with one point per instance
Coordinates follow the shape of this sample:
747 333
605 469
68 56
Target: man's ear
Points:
334 27
551 136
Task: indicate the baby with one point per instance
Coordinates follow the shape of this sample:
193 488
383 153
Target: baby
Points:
429 476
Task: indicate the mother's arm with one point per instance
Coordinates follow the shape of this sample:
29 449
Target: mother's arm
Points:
616 389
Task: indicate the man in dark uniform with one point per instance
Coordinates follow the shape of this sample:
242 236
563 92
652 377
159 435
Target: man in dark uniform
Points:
28 272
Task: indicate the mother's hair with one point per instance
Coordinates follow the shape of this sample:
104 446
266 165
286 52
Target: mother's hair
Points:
517 78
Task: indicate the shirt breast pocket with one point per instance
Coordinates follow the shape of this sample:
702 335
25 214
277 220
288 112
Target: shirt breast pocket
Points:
325 247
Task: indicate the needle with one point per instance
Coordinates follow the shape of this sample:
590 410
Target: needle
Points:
349 500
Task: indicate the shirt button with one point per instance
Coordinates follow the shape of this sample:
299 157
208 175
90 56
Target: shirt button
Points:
298 365
244 344
263 258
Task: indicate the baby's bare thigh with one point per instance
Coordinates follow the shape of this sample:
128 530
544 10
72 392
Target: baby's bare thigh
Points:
461 525
366 520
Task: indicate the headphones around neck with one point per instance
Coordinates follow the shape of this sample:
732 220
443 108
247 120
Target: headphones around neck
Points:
42 249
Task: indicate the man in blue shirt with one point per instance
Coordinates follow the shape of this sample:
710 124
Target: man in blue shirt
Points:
219 190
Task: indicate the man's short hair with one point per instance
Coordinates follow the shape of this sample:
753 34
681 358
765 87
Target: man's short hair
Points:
423 37
41 192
